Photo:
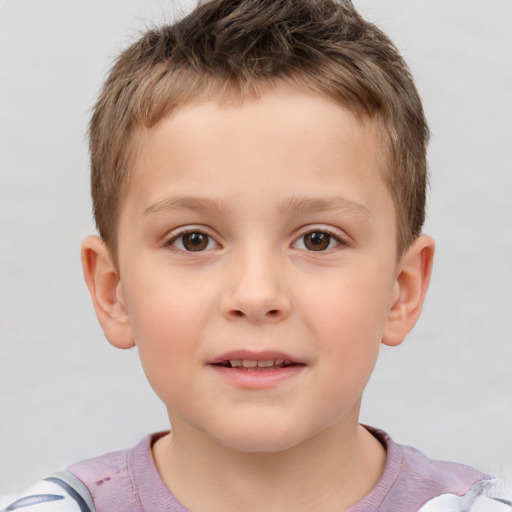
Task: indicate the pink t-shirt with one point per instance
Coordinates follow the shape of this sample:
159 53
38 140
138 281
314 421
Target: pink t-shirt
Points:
128 481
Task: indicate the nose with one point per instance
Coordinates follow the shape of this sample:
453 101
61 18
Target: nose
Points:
256 291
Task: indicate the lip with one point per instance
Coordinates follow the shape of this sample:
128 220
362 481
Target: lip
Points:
264 355
258 378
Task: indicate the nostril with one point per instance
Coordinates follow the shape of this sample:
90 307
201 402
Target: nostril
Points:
257 314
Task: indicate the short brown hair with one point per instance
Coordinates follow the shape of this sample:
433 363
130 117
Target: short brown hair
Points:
244 47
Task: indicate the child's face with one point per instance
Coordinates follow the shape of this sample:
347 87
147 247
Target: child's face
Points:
263 233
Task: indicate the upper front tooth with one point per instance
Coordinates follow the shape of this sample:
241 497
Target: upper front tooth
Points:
249 363
264 364
235 362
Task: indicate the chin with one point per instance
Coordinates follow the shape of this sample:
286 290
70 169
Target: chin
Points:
259 445
260 439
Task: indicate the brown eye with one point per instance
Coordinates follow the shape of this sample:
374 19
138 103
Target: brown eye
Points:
317 241
195 241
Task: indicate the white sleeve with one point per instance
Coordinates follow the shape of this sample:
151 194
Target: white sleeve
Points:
60 492
485 496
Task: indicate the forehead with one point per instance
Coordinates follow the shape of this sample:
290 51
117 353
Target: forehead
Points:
283 144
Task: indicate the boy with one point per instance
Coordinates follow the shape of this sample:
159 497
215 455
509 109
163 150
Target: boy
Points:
258 177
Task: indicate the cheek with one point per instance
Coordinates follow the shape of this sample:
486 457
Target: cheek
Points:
348 336
167 346
350 306
346 317
167 314
166 306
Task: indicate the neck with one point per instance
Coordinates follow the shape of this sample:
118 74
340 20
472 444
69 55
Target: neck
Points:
331 471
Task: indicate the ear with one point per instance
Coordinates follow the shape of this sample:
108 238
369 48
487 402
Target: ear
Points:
410 288
104 283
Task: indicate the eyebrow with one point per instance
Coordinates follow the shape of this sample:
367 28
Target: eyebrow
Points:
186 203
306 204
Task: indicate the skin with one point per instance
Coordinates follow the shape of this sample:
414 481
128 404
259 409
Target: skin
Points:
255 181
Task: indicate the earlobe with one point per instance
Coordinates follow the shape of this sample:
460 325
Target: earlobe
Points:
103 280
410 288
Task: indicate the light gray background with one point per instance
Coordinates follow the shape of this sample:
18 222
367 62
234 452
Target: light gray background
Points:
65 394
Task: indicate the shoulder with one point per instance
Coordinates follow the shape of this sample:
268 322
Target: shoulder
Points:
106 471
113 479
108 483
441 476
414 482
485 496
60 492
450 486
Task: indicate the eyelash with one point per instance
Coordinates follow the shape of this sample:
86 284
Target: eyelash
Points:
208 239
331 237
176 237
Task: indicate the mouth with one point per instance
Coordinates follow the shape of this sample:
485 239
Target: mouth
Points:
253 370
256 365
